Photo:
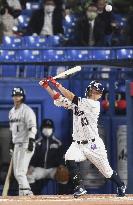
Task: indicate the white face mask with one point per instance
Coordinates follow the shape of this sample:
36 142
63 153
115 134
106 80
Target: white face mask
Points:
47 132
49 8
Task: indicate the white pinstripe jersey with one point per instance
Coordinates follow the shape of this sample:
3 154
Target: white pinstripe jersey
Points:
21 120
85 117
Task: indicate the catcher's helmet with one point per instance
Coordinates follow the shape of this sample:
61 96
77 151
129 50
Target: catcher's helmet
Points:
47 123
94 84
18 91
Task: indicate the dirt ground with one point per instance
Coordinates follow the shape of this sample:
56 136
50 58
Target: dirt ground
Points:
89 199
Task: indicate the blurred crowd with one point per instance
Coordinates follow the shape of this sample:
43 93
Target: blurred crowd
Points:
77 23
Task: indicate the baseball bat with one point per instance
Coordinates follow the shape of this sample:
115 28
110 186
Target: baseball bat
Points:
7 181
68 72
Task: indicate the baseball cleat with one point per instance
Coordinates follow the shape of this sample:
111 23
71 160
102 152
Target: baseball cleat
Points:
25 192
121 190
30 193
81 191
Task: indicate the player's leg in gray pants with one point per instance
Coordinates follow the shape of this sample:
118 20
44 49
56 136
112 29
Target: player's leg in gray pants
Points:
21 159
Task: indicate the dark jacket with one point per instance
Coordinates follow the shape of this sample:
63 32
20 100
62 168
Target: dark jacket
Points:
13 12
129 29
37 21
83 30
48 153
108 18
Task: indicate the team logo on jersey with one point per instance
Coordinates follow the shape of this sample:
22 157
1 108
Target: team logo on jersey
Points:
15 120
93 146
77 112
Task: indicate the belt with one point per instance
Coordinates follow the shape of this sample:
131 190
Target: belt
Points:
84 141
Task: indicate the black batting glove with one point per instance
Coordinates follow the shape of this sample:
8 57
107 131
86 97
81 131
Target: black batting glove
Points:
31 144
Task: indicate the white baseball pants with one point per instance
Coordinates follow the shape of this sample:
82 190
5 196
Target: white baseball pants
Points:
95 152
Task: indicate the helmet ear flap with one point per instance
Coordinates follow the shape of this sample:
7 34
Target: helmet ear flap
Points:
87 91
23 99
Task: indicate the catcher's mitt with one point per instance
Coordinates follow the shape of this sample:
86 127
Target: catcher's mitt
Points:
62 174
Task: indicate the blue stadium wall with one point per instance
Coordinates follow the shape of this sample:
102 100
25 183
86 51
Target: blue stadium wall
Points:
40 101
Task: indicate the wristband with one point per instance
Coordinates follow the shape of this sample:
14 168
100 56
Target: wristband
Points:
56 96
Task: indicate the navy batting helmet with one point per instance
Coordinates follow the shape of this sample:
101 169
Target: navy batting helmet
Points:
18 91
94 84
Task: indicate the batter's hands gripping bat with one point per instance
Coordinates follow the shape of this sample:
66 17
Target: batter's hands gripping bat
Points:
7 181
68 72
44 83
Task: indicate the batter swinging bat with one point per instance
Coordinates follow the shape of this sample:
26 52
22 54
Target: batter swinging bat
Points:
7 181
68 72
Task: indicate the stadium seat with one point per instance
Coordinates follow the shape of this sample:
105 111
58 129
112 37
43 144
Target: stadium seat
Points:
120 19
79 54
54 40
69 23
33 5
8 55
23 20
102 54
29 56
11 42
54 55
122 53
35 41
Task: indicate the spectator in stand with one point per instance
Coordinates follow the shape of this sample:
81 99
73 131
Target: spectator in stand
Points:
108 18
15 4
90 29
1 31
130 28
47 157
8 15
46 21
23 3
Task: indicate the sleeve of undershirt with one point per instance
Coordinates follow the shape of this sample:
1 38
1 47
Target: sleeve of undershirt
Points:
75 100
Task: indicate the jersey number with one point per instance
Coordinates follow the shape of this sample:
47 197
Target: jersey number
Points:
84 121
17 128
